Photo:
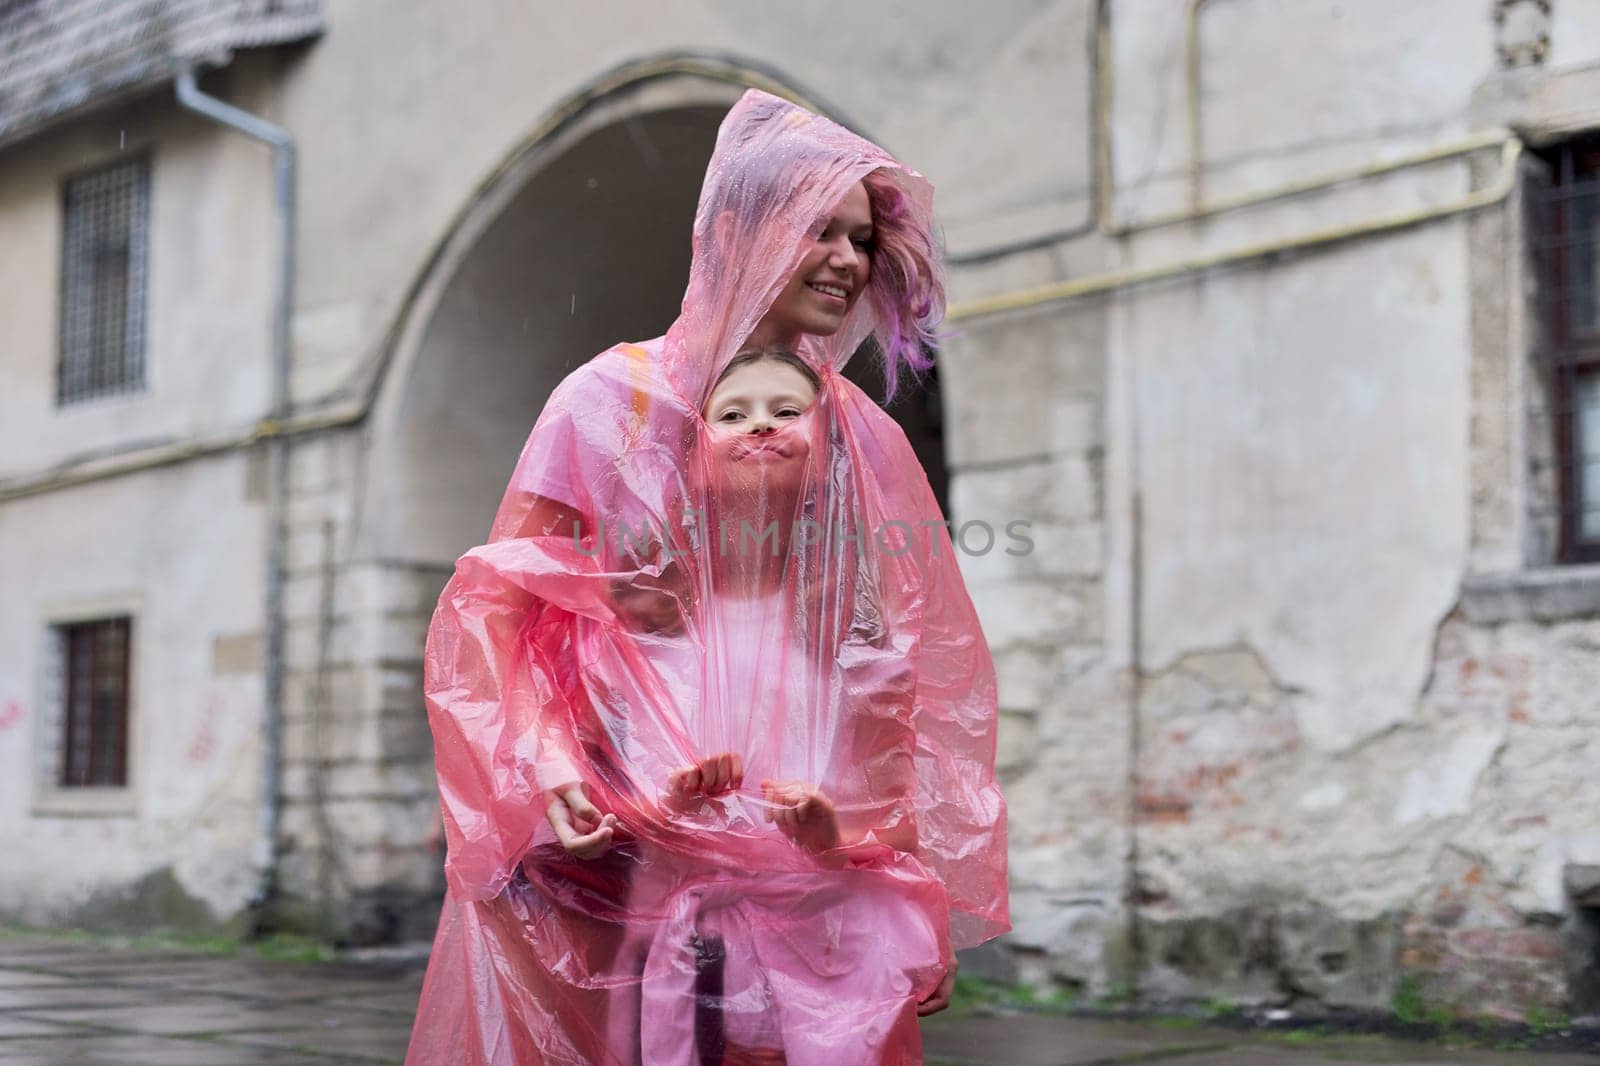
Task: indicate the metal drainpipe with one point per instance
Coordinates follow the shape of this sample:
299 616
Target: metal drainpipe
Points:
277 444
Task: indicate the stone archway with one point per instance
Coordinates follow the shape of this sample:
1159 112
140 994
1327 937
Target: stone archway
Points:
592 250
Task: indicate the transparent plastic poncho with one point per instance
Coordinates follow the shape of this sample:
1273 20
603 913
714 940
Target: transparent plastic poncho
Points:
816 624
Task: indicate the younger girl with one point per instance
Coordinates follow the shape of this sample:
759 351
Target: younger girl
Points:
816 943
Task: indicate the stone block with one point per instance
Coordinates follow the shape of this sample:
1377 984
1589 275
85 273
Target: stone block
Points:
1033 550
1017 743
307 551
306 643
406 737
1548 595
1062 489
400 822
402 638
406 779
1073 934
312 381
1026 677
1582 881
400 689
1039 613
1025 385
236 653
1339 959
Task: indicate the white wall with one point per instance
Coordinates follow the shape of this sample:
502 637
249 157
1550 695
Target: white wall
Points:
209 291
181 547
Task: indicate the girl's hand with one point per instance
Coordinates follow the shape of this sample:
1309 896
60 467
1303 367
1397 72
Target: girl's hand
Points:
434 840
711 776
653 604
805 815
649 610
579 825
939 998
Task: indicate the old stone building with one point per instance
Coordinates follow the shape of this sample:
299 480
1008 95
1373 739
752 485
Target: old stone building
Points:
1275 319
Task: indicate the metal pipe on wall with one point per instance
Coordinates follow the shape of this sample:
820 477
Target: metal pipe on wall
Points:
1105 180
1504 183
277 445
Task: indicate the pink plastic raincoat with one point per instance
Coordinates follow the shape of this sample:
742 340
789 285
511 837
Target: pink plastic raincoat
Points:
816 624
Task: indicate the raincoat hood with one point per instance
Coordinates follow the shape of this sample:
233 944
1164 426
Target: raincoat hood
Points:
776 173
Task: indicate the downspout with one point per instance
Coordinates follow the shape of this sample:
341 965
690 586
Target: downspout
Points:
277 445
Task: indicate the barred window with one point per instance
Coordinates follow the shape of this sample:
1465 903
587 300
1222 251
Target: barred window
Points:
105 245
1569 246
94 719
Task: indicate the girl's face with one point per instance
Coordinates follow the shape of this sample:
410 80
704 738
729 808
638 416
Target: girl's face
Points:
758 449
829 280
757 400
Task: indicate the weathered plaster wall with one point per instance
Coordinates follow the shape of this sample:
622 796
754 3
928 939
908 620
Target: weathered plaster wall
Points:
1305 457
180 550
208 284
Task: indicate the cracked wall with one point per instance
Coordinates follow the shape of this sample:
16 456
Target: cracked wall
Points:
1332 777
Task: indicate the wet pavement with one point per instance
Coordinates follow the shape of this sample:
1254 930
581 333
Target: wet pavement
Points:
69 1003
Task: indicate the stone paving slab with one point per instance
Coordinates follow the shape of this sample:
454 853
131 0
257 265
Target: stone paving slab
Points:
1338 1053
374 1038
141 1051
1055 1040
277 988
42 959
145 970
168 1018
267 981
77 997
400 1002
1048 1040
30 979
12 1027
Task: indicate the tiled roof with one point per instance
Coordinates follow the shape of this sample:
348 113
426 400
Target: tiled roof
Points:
57 56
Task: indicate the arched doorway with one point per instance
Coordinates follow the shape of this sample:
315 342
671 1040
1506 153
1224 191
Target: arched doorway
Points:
592 250
579 241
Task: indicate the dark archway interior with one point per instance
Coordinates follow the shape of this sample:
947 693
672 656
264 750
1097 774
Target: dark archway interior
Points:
918 407
595 250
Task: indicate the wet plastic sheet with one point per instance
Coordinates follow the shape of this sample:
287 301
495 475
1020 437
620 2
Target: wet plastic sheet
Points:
797 604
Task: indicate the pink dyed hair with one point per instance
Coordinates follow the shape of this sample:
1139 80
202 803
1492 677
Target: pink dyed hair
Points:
905 287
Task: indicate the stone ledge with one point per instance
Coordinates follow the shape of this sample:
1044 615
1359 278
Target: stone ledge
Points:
1545 594
1583 884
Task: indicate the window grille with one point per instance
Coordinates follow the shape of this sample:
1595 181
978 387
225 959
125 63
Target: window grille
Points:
105 246
95 715
1567 240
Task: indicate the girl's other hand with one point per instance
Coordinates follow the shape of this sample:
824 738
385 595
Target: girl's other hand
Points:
939 998
580 827
653 604
434 841
711 776
805 815
648 610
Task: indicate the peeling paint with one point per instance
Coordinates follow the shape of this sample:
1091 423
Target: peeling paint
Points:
1444 787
